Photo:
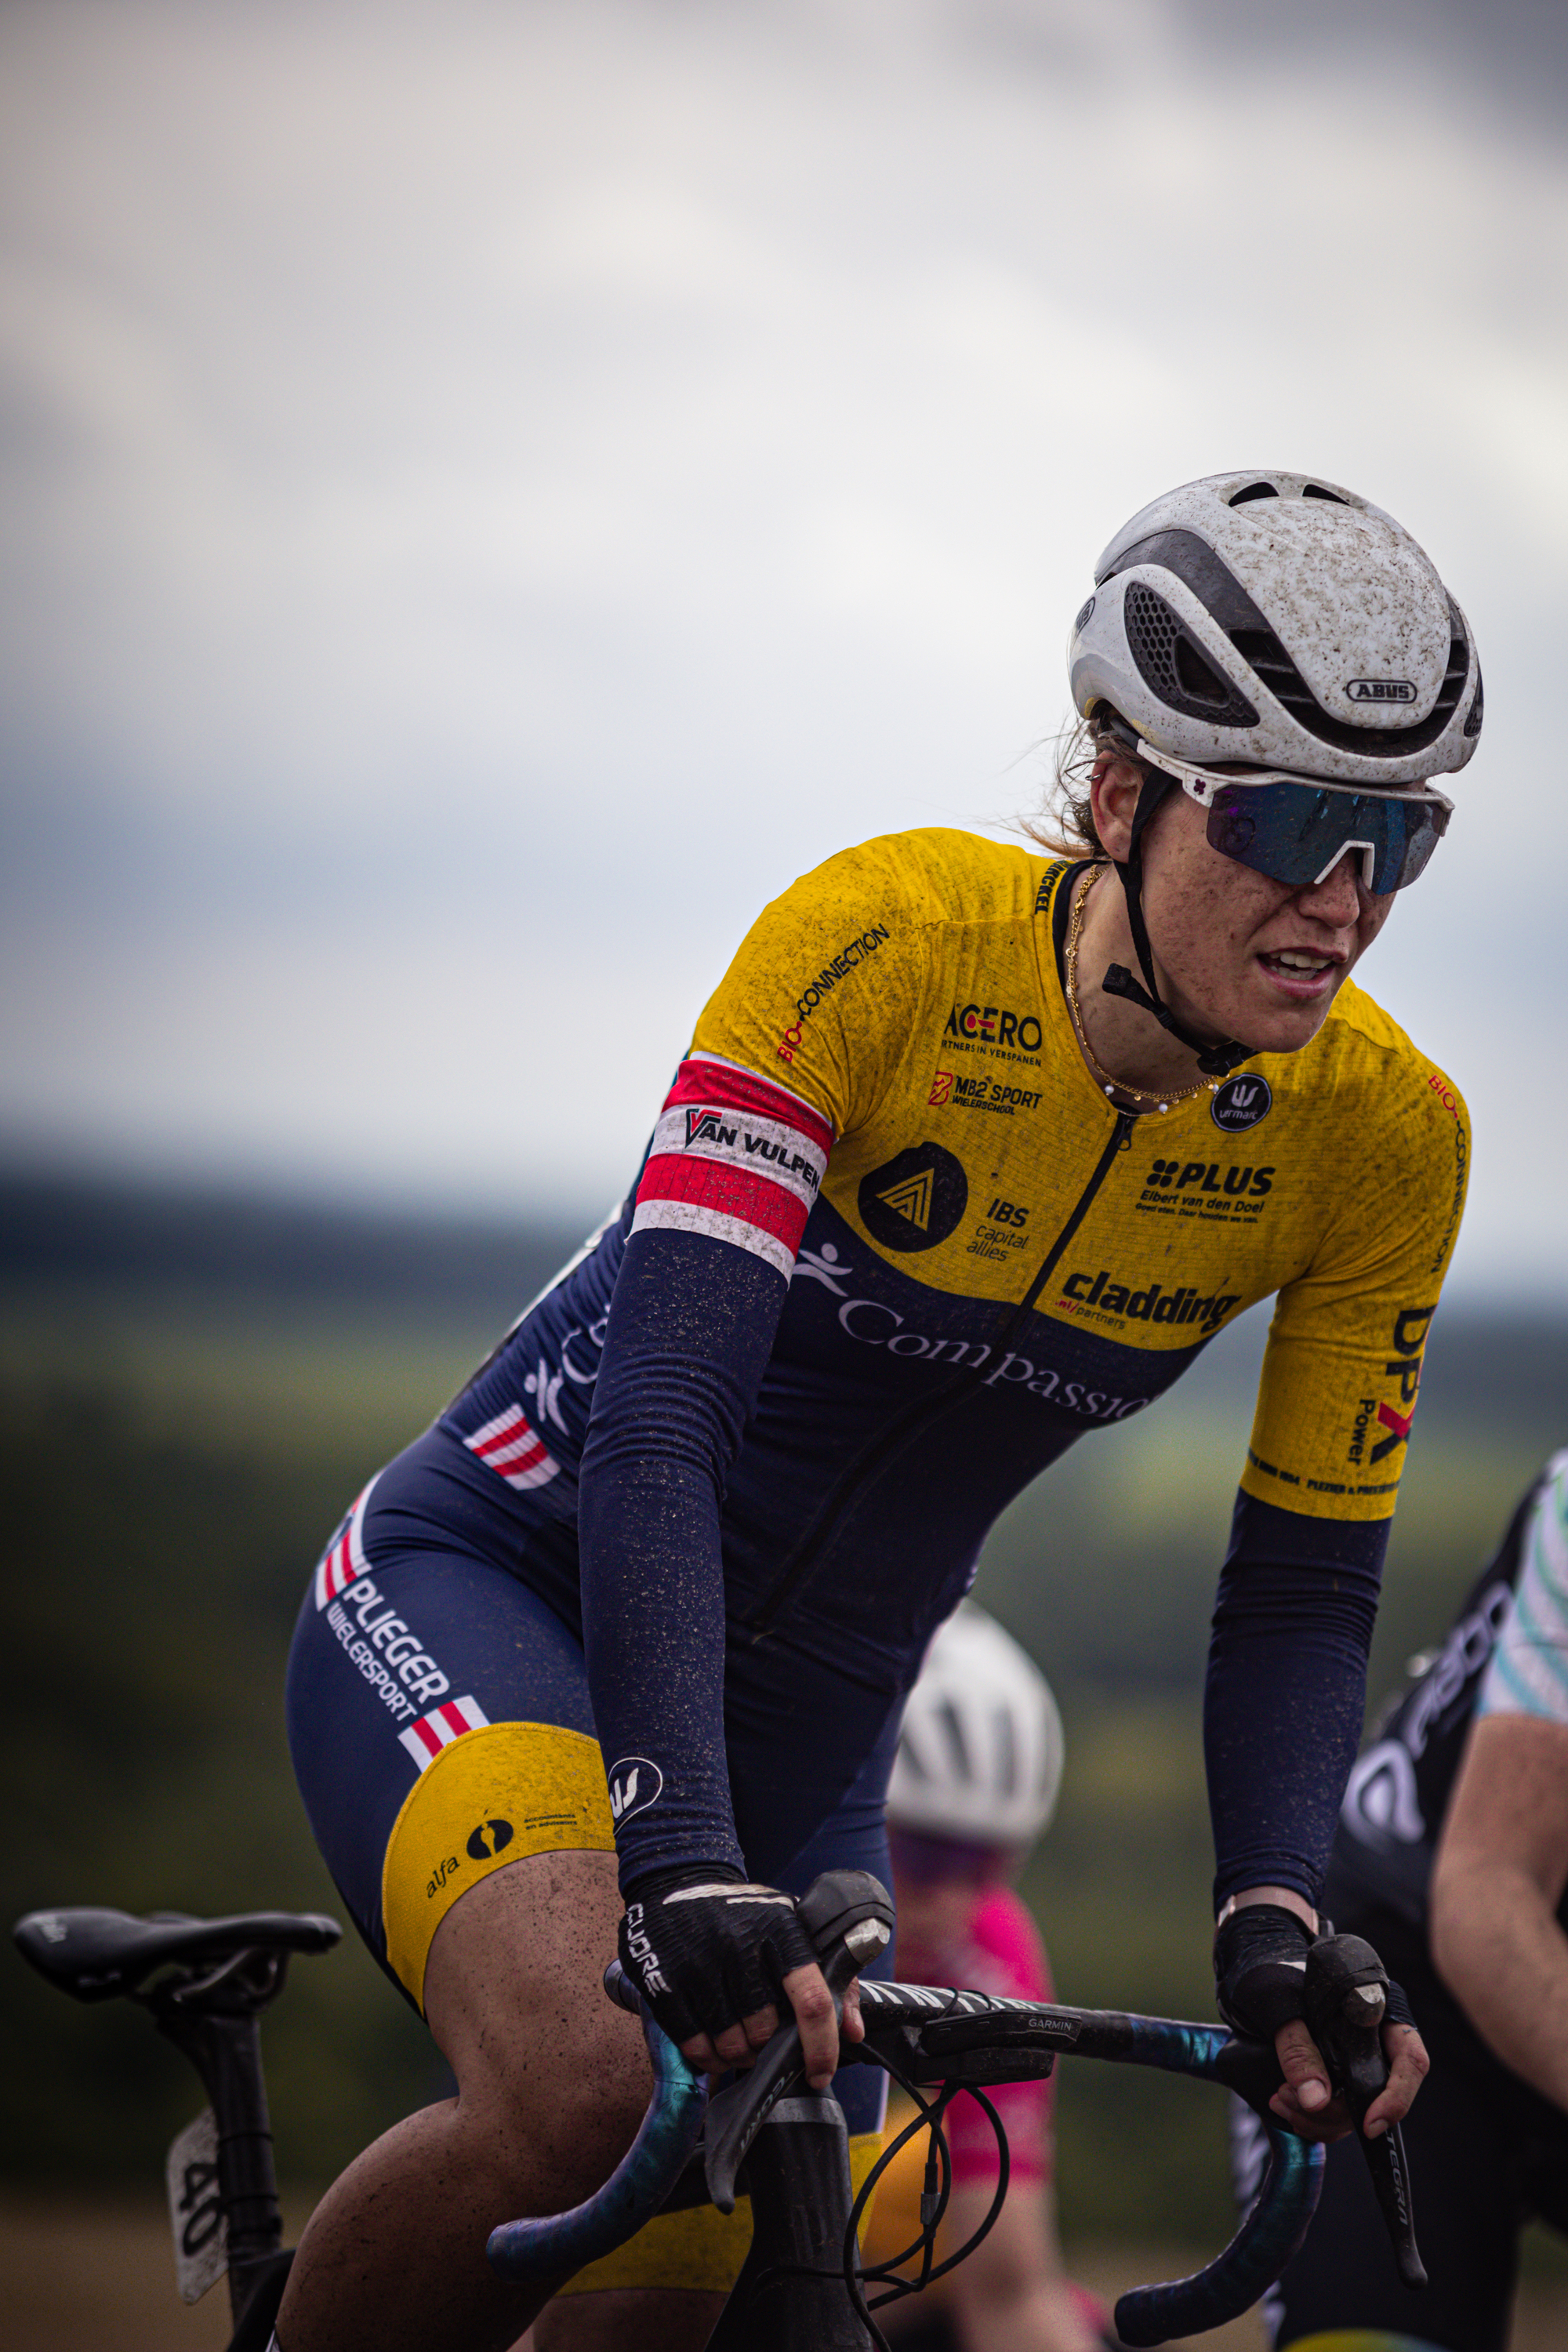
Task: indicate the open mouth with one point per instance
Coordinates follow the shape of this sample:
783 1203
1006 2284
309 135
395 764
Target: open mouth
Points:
1302 970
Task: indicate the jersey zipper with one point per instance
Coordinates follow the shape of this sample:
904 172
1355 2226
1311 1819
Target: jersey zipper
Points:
916 1419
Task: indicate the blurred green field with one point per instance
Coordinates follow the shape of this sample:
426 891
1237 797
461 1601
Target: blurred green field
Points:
181 1425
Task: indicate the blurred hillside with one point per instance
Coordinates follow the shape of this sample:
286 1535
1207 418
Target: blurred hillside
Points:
191 1389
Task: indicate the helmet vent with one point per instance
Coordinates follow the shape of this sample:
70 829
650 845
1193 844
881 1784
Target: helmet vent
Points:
1262 651
1175 666
958 1746
1473 723
1264 654
1314 491
1221 594
1006 1752
1254 491
1453 679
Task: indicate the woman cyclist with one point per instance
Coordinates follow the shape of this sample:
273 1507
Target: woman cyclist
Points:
973 1148
974 1783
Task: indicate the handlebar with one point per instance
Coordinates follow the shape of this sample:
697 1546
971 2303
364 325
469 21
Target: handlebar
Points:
850 1918
669 2132
931 2029
938 2035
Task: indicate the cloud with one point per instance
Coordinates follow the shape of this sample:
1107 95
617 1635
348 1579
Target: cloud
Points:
492 492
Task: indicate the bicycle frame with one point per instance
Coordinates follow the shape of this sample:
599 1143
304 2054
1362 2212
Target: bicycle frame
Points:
765 2135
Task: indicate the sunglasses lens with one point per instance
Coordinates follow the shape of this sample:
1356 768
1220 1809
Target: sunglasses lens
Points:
1296 832
1420 841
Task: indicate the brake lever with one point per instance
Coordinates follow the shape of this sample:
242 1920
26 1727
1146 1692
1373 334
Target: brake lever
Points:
848 1915
1347 2001
735 2115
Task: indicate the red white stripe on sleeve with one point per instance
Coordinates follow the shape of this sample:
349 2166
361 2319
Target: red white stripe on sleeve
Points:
425 1738
344 1560
736 1158
510 1444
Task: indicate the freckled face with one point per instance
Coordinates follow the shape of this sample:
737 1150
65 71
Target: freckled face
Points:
1238 955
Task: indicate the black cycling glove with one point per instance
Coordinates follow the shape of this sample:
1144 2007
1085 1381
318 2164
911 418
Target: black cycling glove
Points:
706 1949
1261 1972
1260 1969
1399 2011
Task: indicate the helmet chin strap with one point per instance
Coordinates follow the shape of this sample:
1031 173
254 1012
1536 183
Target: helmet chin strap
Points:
1215 1061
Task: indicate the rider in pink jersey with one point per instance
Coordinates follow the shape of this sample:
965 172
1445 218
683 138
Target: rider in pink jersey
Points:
996 1948
973 1785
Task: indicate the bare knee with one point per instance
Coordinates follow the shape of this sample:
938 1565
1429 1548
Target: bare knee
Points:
566 2124
552 2079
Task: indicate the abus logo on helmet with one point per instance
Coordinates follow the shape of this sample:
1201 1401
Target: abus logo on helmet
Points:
1241 1102
1380 689
635 1785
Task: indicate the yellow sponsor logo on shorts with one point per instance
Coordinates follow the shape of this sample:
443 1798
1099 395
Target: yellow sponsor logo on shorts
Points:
492 1797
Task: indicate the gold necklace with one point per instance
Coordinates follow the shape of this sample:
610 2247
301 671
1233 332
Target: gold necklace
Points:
1113 1086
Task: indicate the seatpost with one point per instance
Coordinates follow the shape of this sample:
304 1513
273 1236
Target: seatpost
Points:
225 2047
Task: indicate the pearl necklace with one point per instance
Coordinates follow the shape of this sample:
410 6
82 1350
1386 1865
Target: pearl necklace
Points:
1113 1086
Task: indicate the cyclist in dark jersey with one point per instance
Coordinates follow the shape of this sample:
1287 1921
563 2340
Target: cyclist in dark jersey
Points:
1452 1858
940 1187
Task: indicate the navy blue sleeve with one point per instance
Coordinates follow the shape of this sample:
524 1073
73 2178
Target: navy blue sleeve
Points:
1286 1690
691 1327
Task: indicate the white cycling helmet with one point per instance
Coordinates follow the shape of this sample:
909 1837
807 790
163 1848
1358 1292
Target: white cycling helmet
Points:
980 1753
1276 619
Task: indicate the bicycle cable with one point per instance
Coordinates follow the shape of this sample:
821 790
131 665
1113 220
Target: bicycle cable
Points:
932 2206
935 2198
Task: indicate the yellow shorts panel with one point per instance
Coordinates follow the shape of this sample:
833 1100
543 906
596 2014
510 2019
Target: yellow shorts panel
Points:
494 1796
898 2200
1362 2339
700 2250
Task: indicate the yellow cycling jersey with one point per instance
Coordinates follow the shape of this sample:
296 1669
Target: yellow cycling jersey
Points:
909 991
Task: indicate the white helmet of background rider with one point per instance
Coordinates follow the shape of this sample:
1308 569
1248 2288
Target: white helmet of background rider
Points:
1275 619
980 1753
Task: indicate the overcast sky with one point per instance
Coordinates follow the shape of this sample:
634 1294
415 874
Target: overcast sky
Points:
491 492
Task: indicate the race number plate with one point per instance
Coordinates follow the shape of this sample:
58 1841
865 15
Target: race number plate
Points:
195 2209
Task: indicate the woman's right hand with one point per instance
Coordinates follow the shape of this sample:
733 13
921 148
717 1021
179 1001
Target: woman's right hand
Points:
712 1955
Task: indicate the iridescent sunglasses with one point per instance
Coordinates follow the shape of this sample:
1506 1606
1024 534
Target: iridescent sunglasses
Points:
1295 829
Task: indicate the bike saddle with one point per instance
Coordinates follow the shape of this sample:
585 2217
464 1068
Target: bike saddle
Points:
94 1954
